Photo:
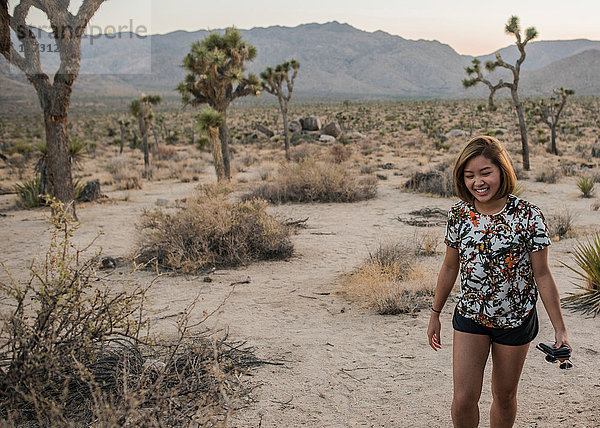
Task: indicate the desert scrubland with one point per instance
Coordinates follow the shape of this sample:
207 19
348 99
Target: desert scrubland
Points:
345 339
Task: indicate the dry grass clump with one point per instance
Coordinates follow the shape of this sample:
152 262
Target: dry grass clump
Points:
164 152
312 181
548 175
124 175
73 351
339 153
439 183
391 281
560 224
211 231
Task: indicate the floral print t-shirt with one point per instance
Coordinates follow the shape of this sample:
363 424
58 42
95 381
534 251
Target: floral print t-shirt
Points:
497 287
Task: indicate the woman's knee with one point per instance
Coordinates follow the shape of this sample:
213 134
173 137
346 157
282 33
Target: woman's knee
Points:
504 397
464 400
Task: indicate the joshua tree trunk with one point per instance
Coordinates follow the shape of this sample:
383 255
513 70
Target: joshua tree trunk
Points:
122 131
522 127
553 139
215 144
4 28
286 131
59 163
224 137
144 132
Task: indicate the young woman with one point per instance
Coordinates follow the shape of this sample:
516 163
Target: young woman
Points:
499 243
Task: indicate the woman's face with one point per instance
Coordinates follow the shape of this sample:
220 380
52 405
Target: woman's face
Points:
482 178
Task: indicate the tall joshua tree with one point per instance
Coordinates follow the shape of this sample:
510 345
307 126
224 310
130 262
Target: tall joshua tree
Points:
549 113
272 82
141 109
54 95
209 122
215 77
476 76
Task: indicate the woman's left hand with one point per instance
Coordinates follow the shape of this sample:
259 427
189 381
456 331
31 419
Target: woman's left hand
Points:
560 339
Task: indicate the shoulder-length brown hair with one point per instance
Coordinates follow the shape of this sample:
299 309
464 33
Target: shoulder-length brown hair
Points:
493 150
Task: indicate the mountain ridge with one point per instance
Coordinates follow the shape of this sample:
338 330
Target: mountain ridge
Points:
335 58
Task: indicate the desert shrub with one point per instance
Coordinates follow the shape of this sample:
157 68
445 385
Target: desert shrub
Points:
211 231
587 259
73 351
339 153
59 327
433 182
391 281
165 152
312 181
124 175
426 242
560 223
548 175
301 152
586 186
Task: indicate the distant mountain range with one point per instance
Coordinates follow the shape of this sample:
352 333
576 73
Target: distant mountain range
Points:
336 60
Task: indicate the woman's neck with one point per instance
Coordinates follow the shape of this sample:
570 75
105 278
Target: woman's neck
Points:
491 207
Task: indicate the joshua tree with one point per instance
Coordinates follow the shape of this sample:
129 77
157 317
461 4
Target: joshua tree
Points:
141 108
209 122
272 82
549 113
475 76
54 94
123 129
216 67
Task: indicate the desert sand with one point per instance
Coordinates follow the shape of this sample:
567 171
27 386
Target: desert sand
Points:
343 364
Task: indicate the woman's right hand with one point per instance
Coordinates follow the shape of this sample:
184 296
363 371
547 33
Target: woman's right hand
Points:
433 331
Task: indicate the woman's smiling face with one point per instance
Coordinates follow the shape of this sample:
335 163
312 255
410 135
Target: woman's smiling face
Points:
483 179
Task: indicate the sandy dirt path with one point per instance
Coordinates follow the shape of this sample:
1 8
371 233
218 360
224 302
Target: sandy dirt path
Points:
344 365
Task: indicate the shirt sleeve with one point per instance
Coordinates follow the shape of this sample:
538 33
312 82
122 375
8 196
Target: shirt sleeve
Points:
451 238
538 231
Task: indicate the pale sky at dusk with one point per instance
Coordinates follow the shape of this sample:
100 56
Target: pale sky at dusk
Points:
470 27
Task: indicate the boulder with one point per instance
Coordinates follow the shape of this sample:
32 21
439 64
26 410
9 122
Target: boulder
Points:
326 138
332 129
311 123
262 128
456 133
295 126
90 192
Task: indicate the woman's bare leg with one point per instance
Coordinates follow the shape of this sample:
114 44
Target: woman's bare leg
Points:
469 355
508 364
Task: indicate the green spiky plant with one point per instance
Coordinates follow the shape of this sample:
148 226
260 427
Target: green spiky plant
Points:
586 186
587 258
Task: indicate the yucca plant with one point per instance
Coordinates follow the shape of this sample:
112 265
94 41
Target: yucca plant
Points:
586 185
29 193
587 258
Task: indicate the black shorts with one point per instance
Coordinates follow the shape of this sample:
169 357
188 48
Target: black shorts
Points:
515 336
